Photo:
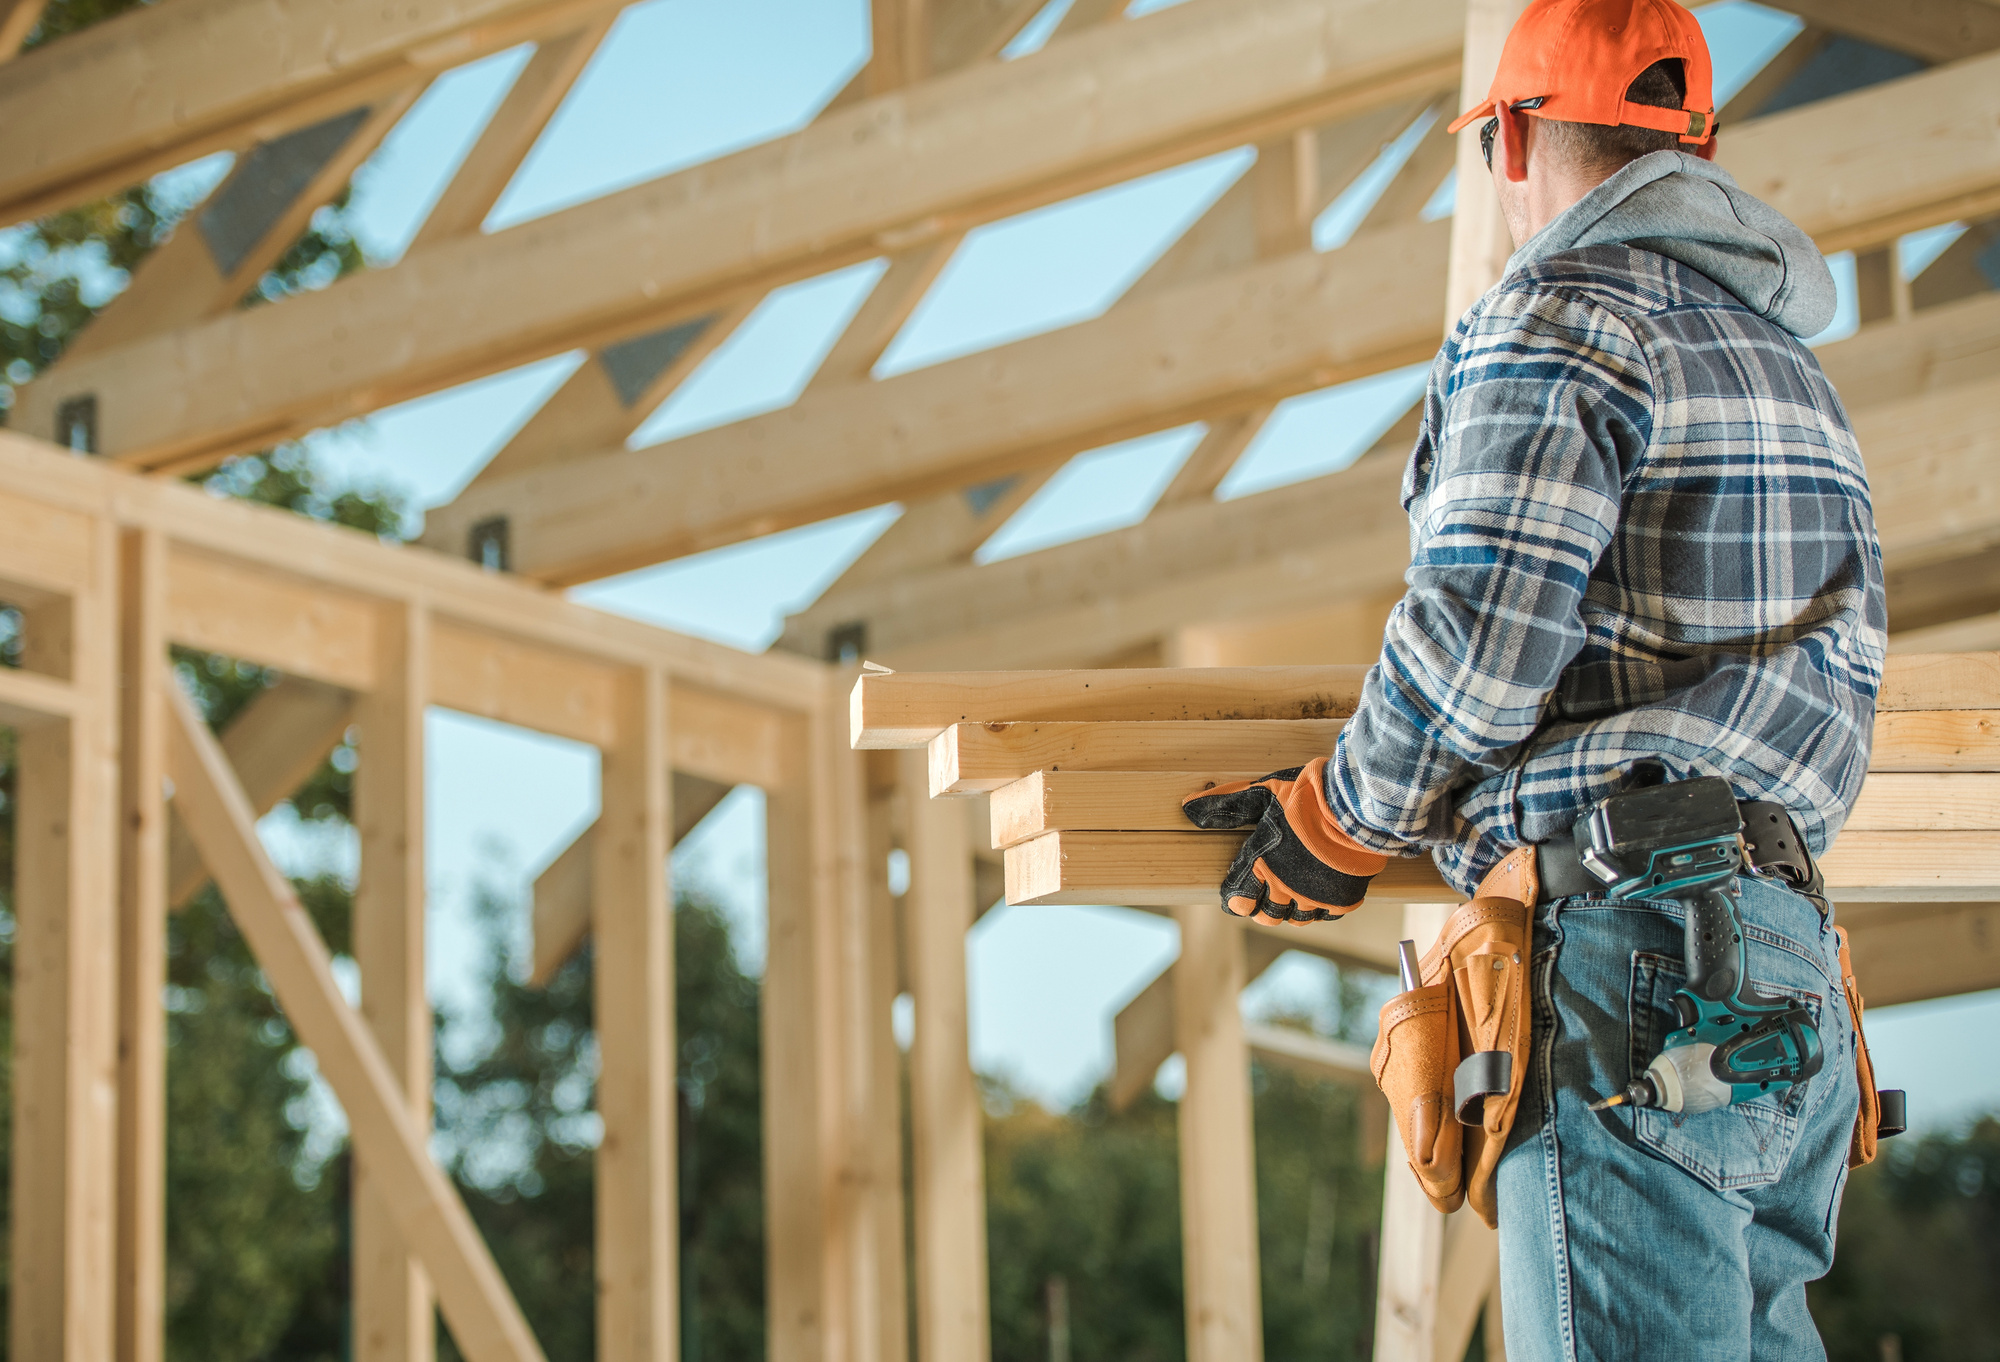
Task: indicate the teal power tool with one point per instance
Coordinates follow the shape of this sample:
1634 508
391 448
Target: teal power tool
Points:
1684 841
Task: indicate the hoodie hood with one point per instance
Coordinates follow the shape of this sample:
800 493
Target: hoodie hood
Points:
1690 210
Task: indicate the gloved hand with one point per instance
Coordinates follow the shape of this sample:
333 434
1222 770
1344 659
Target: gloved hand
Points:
1297 866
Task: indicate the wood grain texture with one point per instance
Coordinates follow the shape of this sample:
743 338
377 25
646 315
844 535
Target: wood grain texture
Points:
972 757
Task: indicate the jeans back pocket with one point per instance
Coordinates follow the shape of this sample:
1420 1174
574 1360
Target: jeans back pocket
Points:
1747 1144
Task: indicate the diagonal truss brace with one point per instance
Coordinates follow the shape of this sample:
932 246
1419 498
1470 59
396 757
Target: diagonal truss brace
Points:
482 1314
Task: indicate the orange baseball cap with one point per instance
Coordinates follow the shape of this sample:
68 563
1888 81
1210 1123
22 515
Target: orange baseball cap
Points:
1580 56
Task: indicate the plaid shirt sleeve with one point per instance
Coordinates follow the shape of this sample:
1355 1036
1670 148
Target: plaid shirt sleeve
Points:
1539 407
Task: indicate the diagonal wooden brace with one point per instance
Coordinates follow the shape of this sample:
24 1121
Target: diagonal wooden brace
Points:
481 1312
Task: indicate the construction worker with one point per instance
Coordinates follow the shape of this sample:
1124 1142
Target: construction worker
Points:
1642 551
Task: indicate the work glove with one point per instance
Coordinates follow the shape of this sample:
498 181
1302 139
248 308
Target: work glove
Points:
1297 865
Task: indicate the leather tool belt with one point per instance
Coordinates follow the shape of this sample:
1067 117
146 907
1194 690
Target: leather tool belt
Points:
1452 1054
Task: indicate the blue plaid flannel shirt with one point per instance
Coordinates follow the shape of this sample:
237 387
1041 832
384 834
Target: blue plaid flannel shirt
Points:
1640 534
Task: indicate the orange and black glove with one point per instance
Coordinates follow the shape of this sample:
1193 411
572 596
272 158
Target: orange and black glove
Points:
1297 865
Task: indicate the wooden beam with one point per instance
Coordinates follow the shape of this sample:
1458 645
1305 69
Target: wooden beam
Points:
1909 952
1940 349
64 1199
395 1316
1468 1273
28 700
908 709
882 313
1924 802
274 745
244 226
1083 14
967 31
1207 350
1936 30
948 1181
981 144
1417 182
1928 467
1314 1056
968 757
1221 1285
900 31
510 134
1904 160
142 950
150 89
1772 77
481 1313
246 611
1957 272
1222 444
1413 1231
638 1219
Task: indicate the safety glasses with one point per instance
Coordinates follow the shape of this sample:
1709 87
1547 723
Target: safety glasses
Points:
1492 126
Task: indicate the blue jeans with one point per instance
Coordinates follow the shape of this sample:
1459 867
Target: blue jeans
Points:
1629 1234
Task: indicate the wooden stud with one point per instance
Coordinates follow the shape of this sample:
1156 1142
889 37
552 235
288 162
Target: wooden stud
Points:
65 1156
908 709
1413 1231
142 954
949 1180
1221 1284
1956 272
395 1317
483 1318
1480 243
901 33
1092 111
1467 1277
881 1129
638 1227
967 757
1881 292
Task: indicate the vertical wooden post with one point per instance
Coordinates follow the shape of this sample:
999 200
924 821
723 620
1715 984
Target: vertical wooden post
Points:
1218 1171
949 1186
882 1137
1468 1275
63 1299
632 961
142 919
794 1212
1480 244
395 1317
1406 1293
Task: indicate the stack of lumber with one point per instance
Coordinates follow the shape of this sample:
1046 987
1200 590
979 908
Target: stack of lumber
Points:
1087 769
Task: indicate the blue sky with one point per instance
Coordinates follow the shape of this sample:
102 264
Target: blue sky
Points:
679 82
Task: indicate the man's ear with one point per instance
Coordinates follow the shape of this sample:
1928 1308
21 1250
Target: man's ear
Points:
1513 141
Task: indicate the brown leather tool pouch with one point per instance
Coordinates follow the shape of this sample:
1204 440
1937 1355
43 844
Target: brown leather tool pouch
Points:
1452 1055
1867 1121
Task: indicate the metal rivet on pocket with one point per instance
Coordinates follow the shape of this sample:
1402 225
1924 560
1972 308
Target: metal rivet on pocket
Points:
1499 964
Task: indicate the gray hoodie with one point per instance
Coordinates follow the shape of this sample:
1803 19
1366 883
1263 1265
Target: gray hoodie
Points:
1690 210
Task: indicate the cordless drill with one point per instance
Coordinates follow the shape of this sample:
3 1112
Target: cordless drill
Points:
1683 841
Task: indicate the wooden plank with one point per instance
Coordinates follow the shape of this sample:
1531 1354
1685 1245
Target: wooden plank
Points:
1940 680
395 1317
274 745
966 31
886 1116
948 1180
142 950
1142 1039
908 709
1468 1274
63 1208
1923 802
1141 869
254 614
1221 1284
980 144
483 1318
1206 350
1161 869
1953 345
148 90
968 757
638 1227
45 549
1413 1231
1909 952
1937 740
1975 634
517 682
